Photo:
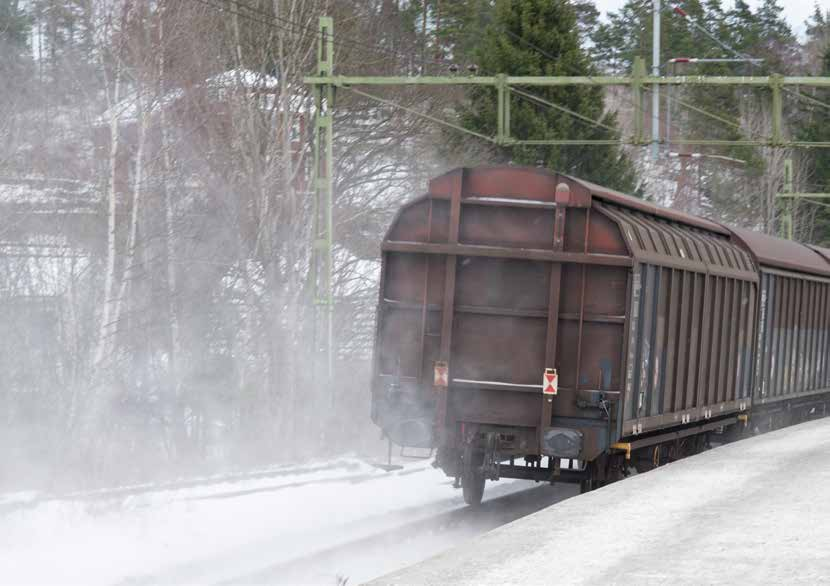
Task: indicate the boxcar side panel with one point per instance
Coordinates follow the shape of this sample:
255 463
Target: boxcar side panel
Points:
793 336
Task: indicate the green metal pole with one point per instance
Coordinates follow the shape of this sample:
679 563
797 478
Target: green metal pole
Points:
323 173
637 74
788 206
500 117
777 135
508 95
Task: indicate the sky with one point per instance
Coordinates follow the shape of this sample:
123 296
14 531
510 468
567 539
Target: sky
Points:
796 11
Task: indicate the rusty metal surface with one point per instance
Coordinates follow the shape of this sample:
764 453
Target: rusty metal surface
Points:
824 252
654 240
691 348
523 184
540 185
793 342
649 315
694 299
621 199
471 274
782 254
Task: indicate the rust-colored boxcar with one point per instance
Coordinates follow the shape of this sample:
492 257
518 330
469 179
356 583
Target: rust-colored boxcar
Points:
792 344
645 317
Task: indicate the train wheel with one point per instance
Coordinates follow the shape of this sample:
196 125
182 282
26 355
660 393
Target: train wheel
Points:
472 477
590 482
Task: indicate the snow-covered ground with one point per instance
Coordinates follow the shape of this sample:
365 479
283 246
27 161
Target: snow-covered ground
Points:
751 512
351 520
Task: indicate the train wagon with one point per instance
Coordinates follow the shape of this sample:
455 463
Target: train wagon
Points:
535 325
791 373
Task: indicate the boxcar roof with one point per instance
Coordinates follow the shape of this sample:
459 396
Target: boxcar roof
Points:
824 252
540 184
784 254
629 201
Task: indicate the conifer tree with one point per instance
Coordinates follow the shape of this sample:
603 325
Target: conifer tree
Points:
814 123
541 37
14 31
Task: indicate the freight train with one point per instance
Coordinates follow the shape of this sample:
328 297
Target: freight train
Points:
535 325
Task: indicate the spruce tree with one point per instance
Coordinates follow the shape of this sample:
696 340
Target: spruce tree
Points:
14 31
541 38
814 123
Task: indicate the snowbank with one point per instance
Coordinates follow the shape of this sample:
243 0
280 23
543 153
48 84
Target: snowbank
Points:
750 512
213 532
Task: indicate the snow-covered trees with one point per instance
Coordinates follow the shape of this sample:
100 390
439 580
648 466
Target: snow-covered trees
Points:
155 204
175 330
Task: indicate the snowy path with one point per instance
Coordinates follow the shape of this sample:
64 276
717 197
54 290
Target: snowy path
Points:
352 521
755 511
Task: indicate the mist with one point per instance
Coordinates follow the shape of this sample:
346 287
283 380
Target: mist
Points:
155 243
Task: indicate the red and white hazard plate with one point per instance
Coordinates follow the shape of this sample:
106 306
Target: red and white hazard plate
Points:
441 377
550 382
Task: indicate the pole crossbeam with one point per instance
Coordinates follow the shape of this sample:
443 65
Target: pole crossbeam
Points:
638 82
511 80
324 82
506 85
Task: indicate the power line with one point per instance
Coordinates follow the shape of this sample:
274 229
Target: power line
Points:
639 109
287 24
807 98
539 100
694 108
316 31
420 114
628 100
814 202
682 13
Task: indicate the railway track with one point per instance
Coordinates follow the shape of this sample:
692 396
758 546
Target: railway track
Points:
375 555
363 549
352 472
378 552
372 556
338 523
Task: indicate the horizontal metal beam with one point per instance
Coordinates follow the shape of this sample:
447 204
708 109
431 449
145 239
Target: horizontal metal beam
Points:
486 385
481 310
379 80
502 82
347 80
505 252
819 195
505 312
567 142
679 141
719 142
545 474
636 444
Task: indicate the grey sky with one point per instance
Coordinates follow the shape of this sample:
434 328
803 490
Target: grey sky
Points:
796 11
